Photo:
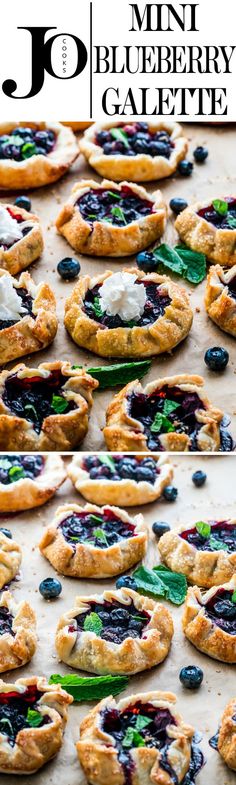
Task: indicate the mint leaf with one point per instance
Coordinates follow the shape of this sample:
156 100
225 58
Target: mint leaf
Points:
142 722
99 534
93 623
115 196
119 213
170 258
132 738
119 135
118 374
107 461
28 149
16 473
148 582
220 206
96 518
233 598
195 264
217 545
59 404
169 406
34 718
204 529
231 221
161 582
161 423
97 307
87 688
5 463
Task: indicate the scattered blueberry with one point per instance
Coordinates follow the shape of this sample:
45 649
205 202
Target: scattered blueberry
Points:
185 168
200 154
127 581
199 478
23 202
68 268
170 493
216 358
50 588
146 261
191 677
6 532
160 527
177 205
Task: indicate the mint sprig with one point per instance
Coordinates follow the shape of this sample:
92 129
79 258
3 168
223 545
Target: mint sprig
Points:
203 528
59 404
217 545
120 136
132 739
118 374
16 473
142 722
119 213
96 305
161 582
86 688
93 623
100 535
34 718
161 423
220 206
182 261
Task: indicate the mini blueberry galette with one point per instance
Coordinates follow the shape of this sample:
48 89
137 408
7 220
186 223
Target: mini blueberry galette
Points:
120 479
220 297
172 413
10 559
28 321
118 632
28 481
134 151
94 542
34 154
44 408
205 551
209 620
33 715
210 229
225 739
128 314
106 219
21 239
18 639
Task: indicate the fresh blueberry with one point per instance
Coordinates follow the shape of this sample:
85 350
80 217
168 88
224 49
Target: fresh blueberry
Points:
170 493
160 527
6 532
200 154
24 202
216 358
225 609
127 581
191 677
199 478
50 588
68 268
146 261
185 168
177 205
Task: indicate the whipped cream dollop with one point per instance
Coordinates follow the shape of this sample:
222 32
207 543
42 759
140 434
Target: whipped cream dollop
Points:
10 303
10 230
120 295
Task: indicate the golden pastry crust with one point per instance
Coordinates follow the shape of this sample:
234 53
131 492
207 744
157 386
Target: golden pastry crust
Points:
97 655
138 168
25 251
205 568
162 335
125 491
35 746
99 756
219 245
19 649
88 561
201 630
59 431
102 238
76 126
220 304
26 493
227 735
31 333
39 169
122 432
10 559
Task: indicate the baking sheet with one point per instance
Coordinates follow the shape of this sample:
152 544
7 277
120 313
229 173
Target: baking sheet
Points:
202 708
213 179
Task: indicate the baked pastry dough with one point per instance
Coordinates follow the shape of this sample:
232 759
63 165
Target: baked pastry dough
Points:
220 298
207 559
28 481
142 166
37 169
21 238
10 559
44 408
135 633
227 735
131 482
139 419
209 621
106 219
165 319
126 757
28 321
76 126
18 638
24 747
94 542
205 230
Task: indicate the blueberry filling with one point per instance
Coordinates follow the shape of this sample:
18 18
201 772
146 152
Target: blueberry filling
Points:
223 217
22 143
16 467
222 610
6 620
120 467
116 621
26 302
115 207
232 287
166 410
98 529
35 398
222 535
20 710
25 229
135 139
155 305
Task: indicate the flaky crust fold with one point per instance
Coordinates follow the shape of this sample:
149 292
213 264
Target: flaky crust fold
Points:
201 630
19 649
25 251
88 561
122 432
10 559
126 492
205 568
26 493
220 305
35 746
219 245
30 334
99 756
76 126
227 735
138 168
39 169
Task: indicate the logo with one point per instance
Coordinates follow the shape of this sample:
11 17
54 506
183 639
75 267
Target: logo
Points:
41 59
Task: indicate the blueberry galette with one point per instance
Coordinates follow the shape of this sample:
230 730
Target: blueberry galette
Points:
225 739
120 479
33 715
18 639
21 239
128 314
44 408
168 414
118 632
211 229
134 151
10 559
209 620
28 321
94 542
106 219
28 481
34 154
205 551
220 298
